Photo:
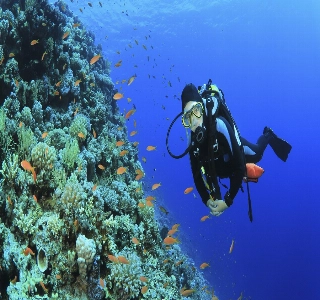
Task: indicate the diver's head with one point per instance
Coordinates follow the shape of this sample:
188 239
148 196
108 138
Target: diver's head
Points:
192 106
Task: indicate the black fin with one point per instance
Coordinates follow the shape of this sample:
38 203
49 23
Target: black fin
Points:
280 147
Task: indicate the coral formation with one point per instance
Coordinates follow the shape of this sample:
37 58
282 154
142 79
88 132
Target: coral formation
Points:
64 209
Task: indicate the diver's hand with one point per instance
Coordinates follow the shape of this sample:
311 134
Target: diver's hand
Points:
217 207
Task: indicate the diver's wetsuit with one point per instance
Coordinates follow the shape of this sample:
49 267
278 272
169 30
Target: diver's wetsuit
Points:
229 162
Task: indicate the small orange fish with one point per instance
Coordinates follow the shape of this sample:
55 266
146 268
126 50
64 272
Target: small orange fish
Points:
81 135
123 260
121 170
94 187
113 258
102 283
131 79
204 218
44 53
141 205
65 35
171 232
44 135
134 132
118 64
101 167
14 280
58 276
9 200
58 83
204 265
77 82
117 96
144 289
170 240
27 166
94 133
178 263
123 152
44 287
28 251
56 93
231 247
33 42
149 203
95 59
11 54
143 279
151 148
135 241
130 113
187 292
76 25
188 190
155 186
119 143
35 198
135 144
175 226
150 198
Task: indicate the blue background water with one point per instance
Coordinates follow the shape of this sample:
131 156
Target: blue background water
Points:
266 58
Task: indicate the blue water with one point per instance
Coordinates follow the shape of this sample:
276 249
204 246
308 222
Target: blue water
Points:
265 56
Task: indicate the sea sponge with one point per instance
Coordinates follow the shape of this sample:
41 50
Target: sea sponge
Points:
86 250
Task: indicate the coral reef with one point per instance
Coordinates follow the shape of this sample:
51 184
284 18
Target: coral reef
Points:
67 218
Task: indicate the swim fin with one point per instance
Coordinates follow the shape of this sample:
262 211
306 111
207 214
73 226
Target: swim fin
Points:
280 147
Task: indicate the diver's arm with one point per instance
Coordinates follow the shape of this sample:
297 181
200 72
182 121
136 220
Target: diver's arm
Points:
197 178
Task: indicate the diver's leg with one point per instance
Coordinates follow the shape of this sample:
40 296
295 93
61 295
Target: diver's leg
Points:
254 152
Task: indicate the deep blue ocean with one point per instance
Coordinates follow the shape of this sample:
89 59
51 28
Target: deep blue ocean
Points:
265 56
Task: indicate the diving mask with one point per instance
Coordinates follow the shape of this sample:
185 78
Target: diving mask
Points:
196 110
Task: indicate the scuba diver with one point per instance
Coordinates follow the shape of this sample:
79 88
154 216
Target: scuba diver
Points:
216 148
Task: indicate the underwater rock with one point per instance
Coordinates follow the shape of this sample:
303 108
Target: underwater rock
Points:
42 260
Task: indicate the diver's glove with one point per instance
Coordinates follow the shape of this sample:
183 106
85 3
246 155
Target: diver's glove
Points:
217 207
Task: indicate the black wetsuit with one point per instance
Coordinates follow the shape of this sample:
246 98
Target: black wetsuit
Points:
229 160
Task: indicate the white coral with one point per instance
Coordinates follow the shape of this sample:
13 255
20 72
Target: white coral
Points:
86 249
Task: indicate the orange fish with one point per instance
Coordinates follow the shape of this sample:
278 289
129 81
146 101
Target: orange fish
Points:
56 93
172 232
149 203
134 132
58 83
44 53
135 144
95 59
175 226
187 292
113 258
76 25
156 185
94 187
9 200
27 166
141 205
28 251
150 198
35 198
94 133
11 54
144 289
121 170
119 143
123 260
131 79
139 176
204 265
65 35
58 276
123 152
188 190
102 283
130 113
170 240
44 135
143 279
151 148
77 82
204 218
101 167
135 241
117 96
81 135
118 64
231 247
33 42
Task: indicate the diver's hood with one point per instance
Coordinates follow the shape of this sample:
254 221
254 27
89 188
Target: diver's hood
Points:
192 142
